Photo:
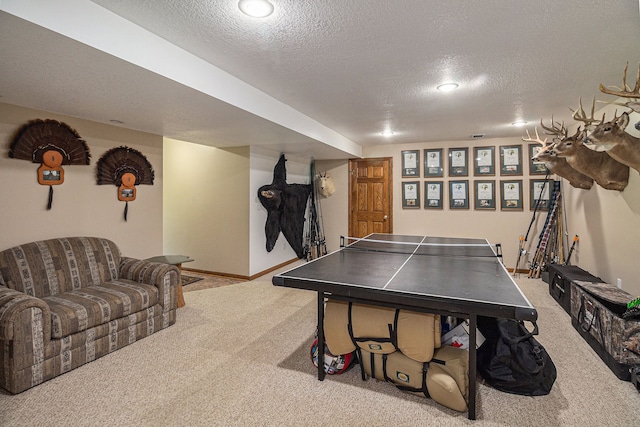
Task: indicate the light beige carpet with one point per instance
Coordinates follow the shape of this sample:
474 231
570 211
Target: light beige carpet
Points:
239 356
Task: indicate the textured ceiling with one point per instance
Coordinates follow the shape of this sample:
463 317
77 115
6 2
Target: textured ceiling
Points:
353 69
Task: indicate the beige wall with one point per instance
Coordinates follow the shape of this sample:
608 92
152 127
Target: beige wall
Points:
211 209
206 214
607 222
211 193
80 206
495 225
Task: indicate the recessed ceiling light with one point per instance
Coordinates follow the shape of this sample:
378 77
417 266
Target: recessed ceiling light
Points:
387 133
447 87
256 8
519 123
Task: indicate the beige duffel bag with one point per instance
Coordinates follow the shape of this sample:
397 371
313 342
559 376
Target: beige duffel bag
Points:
448 377
380 330
443 380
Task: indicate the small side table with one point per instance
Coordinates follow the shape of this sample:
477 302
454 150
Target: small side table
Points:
176 260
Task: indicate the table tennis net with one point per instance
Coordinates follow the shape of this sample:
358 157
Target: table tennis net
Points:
422 249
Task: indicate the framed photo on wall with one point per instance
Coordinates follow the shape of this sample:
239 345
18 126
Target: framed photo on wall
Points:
540 193
511 160
458 162
485 194
459 194
433 194
411 195
484 161
511 195
410 163
433 162
536 168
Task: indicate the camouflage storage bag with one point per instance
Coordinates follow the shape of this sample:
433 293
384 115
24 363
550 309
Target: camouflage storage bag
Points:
599 314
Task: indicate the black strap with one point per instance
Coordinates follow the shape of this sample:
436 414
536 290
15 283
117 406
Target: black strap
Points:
393 336
384 369
393 331
422 389
363 374
126 209
50 201
350 325
372 360
594 315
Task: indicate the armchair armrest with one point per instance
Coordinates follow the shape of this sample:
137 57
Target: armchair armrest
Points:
13 304
165 277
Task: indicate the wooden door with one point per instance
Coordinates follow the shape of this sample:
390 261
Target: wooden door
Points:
370 196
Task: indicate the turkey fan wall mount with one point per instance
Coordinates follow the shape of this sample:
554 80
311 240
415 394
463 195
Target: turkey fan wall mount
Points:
125 167
52 144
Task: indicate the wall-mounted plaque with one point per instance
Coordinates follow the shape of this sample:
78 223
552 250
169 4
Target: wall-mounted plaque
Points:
484 161
540 193
485 194
458 162
459 194
411 195
433 194
511 195
432 162
511 160
411 163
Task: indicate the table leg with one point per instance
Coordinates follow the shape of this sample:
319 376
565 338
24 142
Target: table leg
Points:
320 335
181 302
473 324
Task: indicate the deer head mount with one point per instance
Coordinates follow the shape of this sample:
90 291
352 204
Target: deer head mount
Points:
604 169
620 145
558 165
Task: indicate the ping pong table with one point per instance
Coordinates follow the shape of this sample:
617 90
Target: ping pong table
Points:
460 277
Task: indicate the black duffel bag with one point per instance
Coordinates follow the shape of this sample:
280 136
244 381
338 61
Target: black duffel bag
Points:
511 360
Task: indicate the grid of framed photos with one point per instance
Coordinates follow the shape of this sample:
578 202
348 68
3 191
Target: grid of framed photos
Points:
485 191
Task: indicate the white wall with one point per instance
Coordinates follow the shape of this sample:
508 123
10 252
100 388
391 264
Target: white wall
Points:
80 206
205 209
262 164
335 208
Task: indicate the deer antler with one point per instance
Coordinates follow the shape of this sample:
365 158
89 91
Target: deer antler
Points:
560 132
581 116
536 139
625 91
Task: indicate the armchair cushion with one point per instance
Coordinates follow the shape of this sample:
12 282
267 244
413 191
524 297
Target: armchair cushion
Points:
85 308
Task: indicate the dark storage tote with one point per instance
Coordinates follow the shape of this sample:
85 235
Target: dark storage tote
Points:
560 278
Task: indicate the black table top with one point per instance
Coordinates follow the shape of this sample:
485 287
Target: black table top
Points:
452 274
